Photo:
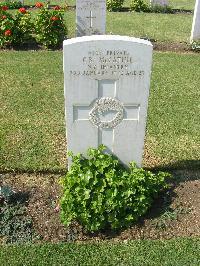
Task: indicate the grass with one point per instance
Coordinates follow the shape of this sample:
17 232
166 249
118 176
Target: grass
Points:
183 4
33 132
177 4
159 27
32 125
159 253
174 110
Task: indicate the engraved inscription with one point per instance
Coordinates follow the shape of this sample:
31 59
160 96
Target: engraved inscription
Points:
108 63
86 4
106 104
90 17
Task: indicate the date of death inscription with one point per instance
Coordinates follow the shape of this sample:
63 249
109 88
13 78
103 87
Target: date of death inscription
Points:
109 62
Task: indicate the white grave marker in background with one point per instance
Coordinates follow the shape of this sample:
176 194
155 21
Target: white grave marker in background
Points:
159 2
90 17
107 81
195 34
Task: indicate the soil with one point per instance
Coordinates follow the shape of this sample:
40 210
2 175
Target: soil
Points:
157 46
181 47
174 214
173 47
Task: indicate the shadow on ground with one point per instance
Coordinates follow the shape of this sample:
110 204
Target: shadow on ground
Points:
175 213
170 214
178 165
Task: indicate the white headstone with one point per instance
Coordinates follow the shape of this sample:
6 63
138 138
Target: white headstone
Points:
107 81
159 2
195 34
90 17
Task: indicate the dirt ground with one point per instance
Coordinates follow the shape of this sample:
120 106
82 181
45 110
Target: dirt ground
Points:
157 46
174 214
171 47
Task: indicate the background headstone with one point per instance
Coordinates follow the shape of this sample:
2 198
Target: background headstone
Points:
159 2
195 34
90 17
107 81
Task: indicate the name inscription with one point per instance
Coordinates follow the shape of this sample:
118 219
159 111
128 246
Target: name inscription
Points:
112 63
91 5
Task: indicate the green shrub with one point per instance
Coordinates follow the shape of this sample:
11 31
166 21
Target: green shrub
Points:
161 9
16 225
11 4
14 30
50 29
7 33
196 46
114 5
139 6
100 192
24 25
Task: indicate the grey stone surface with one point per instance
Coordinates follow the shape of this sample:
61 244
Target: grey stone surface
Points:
159 2
107 81
195 34
90 17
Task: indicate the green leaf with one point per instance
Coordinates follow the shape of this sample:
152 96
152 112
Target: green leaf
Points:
99 191
6 192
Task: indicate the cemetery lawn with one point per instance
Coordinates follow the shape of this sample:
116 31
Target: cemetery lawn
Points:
176 4
33 147
32 124
173 28
163 29
168 28
33 153
160 253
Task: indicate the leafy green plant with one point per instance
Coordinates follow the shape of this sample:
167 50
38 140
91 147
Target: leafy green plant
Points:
15 30
15 225
6 192
24 25
169 215
99 192
8 33
195 46
161 9
139 6
50 29
114 5
47 29
11 4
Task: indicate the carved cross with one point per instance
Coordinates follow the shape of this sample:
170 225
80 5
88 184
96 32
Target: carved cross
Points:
91 19
107 92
